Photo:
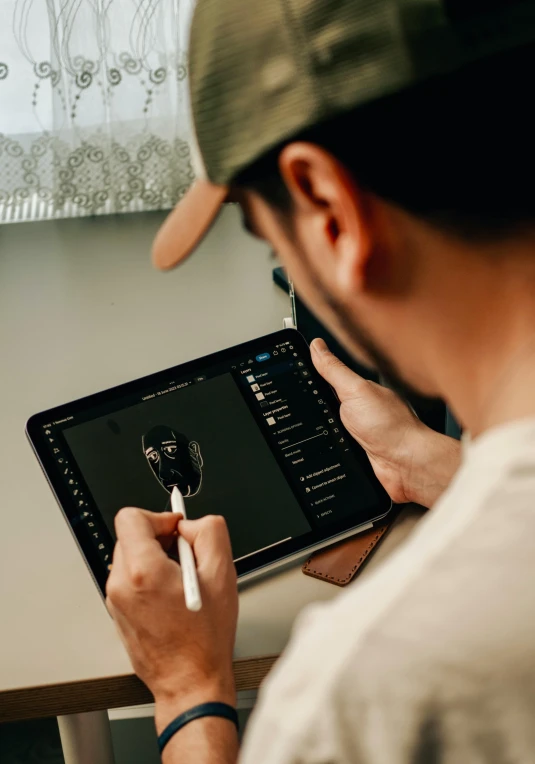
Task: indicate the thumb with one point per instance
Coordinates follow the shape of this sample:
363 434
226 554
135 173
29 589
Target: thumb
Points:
347 383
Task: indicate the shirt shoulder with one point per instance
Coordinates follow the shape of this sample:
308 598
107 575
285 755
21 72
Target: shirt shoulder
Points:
439 635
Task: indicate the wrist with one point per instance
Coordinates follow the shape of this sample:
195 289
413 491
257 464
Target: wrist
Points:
169 705
434 460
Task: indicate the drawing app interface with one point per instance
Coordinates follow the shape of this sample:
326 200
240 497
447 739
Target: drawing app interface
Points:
252 439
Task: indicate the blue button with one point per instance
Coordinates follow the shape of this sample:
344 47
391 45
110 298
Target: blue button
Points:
262 357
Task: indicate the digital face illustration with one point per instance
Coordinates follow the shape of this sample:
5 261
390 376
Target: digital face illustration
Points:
174 459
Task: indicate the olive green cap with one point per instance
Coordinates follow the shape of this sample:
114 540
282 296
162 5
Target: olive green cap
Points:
264 70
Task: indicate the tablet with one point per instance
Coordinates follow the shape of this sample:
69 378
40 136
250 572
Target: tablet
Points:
252 433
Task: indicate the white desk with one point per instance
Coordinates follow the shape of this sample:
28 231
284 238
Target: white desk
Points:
82 310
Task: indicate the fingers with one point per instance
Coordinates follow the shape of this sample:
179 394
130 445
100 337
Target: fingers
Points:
138 554
209 531
140 538
116 580
139 566
134 526
346 383
210 541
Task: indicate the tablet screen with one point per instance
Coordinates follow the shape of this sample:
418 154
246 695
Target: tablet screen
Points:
252 433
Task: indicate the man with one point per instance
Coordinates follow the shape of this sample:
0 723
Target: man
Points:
385 151
174 459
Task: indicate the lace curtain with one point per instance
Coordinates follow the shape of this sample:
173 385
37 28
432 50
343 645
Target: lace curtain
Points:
94 114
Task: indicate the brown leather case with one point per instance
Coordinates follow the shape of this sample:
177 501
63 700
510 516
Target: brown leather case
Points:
339 563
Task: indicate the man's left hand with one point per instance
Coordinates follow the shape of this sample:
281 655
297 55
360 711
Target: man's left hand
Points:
184 658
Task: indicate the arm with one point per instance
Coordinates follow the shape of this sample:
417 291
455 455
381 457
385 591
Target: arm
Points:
184 658
204 741
413 462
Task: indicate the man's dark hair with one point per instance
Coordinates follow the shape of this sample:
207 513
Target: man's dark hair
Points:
457 151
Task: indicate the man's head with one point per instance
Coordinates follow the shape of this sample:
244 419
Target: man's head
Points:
174 460
383 149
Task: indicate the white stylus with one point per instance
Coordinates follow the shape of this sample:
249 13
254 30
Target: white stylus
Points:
190 581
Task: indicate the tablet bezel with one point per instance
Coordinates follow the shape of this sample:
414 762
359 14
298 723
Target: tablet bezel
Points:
263 560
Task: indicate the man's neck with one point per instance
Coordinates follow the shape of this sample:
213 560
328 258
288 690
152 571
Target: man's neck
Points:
510 392
475 322
492 361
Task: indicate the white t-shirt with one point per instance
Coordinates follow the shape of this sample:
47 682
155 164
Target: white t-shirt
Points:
431 658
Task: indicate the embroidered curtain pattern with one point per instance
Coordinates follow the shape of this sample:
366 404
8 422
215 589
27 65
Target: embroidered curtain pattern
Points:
94 113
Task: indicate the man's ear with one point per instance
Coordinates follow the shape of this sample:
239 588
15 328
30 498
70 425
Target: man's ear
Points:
335 214
195 454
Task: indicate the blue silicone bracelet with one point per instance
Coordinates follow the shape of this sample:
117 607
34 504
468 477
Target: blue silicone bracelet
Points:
197 712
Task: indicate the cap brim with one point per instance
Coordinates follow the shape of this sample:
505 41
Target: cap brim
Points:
187 224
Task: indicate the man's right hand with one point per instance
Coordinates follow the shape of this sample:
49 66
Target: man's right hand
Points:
412 461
